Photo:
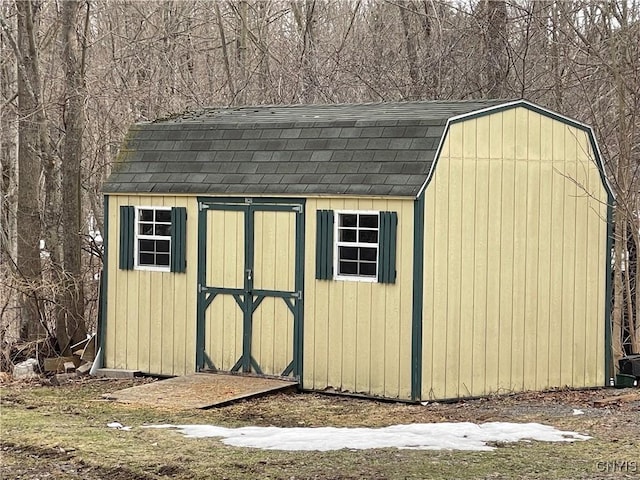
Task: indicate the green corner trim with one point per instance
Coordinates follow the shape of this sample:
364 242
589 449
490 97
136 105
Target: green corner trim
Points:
418 286
101 327
608 304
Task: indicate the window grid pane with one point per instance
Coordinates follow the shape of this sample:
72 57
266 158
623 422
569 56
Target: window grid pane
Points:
153 237
358 244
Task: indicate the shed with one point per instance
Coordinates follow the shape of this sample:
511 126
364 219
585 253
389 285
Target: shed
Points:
414 251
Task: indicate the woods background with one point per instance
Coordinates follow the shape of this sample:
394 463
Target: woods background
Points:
75 74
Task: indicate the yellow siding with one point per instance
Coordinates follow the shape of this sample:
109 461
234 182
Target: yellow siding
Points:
151 316
274 258
514 263
274 269
272 336
357 335
225 269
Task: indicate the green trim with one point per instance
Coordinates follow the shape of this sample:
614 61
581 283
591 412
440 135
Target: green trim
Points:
292 309
289 370
178 239
240 301
324 244
609 367
101 327
274 293
236 366
208 299
127 226
271 204
418 286
247 309
298 313
223 291
256 368
202 303
257 300
210 365
387 247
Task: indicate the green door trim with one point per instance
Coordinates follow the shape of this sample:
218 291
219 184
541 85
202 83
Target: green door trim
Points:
247 298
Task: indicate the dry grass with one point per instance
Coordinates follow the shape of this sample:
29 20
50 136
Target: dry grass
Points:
61 433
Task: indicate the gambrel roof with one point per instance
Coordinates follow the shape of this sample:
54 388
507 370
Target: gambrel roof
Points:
353 149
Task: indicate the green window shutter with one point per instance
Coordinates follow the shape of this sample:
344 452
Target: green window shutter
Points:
127 220
178 239
324 244
387 247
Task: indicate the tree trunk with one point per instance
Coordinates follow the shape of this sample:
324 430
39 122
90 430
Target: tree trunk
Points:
28 225
495 47
74 96
411 49
242 69
225 53
305 20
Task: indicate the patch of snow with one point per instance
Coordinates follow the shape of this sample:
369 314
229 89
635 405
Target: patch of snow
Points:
425 436
577 412
118 426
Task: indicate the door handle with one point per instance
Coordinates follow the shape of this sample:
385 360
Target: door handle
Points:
249 273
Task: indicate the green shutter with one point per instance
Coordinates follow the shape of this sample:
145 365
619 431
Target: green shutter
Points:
178 239
127 219
387 247
324 244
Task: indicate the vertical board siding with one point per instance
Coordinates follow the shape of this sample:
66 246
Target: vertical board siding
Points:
274 269
357 335
225 269
514 259
272 336
150 324
274 253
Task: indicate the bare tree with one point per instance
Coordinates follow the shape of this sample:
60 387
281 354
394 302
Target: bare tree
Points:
71 328
29 135
495 43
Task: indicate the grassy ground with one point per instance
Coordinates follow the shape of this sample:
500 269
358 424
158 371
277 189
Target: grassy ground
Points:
61 433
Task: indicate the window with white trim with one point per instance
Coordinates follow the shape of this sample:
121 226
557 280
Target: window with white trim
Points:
153 238
357 236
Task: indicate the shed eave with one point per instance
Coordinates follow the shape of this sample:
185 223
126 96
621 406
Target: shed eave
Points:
107 193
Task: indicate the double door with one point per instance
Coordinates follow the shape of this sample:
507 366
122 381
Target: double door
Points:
250 260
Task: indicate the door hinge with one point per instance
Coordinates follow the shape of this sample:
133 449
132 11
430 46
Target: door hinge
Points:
298 208
298 295
202 206
199 288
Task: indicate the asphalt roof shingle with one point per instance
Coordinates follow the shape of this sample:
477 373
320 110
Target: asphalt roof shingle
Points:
359 149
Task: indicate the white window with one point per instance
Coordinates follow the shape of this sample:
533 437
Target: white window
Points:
356 246
153 238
